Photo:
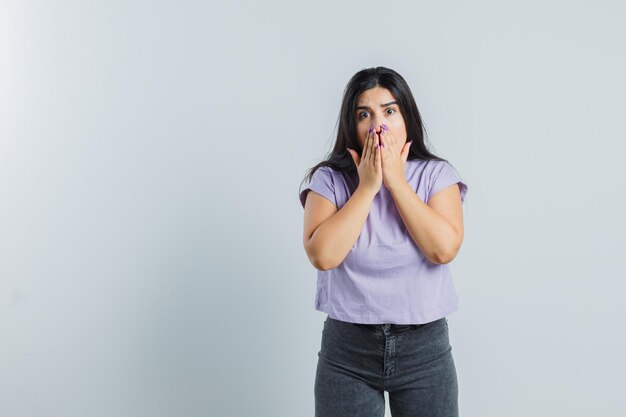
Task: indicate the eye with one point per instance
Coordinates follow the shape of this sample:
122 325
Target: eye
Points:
361 114
393 110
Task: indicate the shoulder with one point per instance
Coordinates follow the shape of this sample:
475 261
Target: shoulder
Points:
435 167
436 164
414 166
322 182
443 174
325 170
336 176
424 163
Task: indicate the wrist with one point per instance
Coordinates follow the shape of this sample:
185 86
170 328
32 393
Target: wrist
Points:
398 186
367 192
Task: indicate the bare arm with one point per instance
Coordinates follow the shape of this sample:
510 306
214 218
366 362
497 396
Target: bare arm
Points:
329 234
436 227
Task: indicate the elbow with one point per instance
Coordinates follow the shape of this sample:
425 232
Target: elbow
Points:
319 260
443 258
446 256
325 266
322 264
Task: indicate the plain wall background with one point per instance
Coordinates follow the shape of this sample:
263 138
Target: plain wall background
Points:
151 258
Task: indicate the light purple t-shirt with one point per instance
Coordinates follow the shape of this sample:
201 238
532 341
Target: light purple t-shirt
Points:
385 278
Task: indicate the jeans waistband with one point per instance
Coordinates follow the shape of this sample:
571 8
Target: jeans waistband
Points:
387 326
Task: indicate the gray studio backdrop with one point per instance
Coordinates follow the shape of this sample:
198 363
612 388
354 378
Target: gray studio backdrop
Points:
151 258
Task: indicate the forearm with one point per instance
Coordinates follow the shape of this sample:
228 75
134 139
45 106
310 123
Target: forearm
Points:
432 233
332 240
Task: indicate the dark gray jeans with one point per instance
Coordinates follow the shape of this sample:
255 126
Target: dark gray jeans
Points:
413 363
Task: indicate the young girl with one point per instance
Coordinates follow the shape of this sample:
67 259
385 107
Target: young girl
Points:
381 225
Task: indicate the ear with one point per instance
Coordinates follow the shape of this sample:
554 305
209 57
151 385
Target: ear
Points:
405 150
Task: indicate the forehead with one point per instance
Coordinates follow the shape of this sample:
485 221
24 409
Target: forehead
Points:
376 95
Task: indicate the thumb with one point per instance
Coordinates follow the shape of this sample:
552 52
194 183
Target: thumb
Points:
355 156
405 150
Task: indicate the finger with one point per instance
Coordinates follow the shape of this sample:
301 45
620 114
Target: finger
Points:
366 146
378 159
382 154
373 140
355 157
375 145
385 138
390 142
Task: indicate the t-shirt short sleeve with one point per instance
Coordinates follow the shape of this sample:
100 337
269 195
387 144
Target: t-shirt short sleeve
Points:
322 183
443 176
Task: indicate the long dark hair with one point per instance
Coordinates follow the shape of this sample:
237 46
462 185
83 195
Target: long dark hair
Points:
339 158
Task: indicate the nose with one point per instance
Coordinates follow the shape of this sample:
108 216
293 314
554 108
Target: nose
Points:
377 125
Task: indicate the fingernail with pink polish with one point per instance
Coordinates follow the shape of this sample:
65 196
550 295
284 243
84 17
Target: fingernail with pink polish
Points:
385 127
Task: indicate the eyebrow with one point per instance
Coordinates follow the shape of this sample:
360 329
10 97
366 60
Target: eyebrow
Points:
382 105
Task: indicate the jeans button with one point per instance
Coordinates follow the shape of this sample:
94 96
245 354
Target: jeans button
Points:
386 326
